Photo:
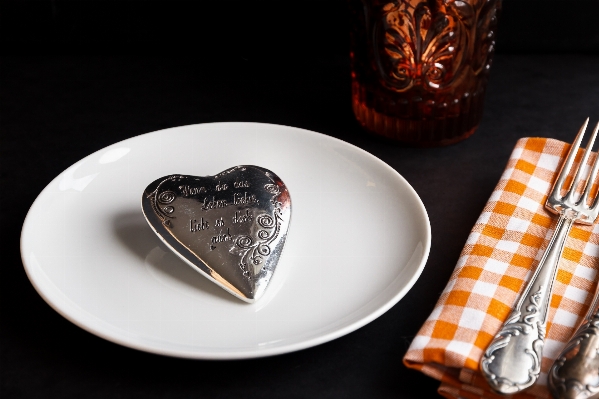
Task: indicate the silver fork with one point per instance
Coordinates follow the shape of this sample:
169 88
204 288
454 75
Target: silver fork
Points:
512 362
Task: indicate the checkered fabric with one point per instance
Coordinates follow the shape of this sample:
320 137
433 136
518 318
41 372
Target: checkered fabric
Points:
505 245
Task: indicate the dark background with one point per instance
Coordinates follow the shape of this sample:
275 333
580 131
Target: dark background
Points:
78 76
256 29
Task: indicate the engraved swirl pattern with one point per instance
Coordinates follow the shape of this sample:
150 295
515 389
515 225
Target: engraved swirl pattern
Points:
244 242
253 252
166 197
160 200
272 188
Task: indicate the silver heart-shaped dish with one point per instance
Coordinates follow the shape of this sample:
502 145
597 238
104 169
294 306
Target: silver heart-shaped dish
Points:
230 227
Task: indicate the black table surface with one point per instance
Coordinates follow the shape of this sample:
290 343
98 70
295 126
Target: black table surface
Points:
57 109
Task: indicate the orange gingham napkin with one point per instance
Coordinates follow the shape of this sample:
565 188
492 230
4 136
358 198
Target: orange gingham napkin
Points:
505 244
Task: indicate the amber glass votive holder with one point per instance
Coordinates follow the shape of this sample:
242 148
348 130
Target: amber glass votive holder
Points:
420 67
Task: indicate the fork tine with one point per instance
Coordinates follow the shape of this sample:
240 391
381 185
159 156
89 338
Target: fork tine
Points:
592 176
568 163
579 172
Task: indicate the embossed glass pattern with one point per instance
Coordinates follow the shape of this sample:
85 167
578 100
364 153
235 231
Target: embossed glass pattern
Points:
420 67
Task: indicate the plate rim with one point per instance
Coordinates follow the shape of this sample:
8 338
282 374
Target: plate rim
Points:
241 353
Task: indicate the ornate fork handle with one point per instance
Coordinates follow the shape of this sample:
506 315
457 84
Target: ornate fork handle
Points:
512 361
575 373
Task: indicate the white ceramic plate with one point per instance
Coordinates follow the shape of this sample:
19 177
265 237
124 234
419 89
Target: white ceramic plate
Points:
358 240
